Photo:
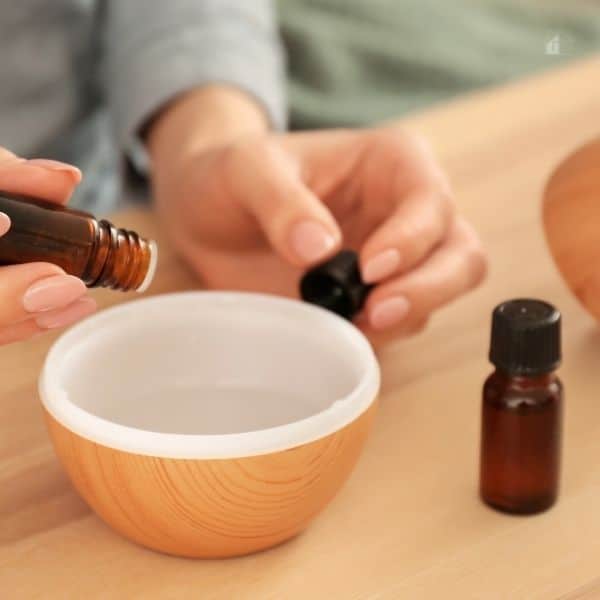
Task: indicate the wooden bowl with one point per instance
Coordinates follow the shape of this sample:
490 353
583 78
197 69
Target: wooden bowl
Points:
209 424
571 211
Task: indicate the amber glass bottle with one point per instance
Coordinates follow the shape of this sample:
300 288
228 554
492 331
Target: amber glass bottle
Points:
522 409
95 251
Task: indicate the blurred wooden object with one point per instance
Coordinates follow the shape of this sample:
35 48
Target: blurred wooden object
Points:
408 524
192 507
572 221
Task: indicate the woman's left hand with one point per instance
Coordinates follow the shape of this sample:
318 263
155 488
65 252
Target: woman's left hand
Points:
254 213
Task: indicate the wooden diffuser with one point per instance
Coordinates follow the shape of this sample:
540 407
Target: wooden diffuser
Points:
210 424
571 213
210 508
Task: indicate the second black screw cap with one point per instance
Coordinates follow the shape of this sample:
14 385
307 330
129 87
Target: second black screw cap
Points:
525 337
336 285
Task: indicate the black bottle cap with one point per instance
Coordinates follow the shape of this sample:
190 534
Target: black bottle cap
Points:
336 285
525 337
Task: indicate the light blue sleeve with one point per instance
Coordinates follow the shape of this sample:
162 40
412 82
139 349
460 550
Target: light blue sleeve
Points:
156 49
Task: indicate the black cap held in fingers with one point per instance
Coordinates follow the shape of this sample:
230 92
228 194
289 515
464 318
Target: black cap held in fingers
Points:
526 337
336 285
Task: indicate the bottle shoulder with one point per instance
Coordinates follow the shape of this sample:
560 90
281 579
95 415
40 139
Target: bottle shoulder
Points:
511 392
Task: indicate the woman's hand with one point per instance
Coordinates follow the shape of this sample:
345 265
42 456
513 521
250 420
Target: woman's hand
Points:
255 211
36 297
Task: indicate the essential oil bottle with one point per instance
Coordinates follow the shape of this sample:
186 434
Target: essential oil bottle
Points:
95 251
522 409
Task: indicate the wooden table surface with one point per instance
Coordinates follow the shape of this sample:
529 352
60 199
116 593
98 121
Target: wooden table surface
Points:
408 524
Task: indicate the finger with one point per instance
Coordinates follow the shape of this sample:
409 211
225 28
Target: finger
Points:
4 223
31 289
454 268
383 337
267 183
411 159
77 310
39 178
18 332
52 320
414 229
408 187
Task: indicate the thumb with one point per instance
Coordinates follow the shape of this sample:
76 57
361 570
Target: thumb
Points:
297 224
39 178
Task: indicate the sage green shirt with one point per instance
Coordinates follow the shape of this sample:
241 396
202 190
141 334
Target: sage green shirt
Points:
358 62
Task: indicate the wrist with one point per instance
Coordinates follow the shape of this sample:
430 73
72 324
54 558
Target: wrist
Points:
197 120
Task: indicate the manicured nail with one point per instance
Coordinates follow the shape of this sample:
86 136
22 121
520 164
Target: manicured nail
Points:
382 265
4 223
311 241
55 165
76 311
389 312
53 292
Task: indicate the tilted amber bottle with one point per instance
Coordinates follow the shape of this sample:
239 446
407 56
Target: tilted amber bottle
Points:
95 251
522 409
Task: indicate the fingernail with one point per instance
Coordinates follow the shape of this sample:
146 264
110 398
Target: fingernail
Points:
311 241
389 312
381 265
53 292
4 223
55 165
76 311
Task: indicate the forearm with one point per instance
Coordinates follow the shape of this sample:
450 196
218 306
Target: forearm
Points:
202 118
191 56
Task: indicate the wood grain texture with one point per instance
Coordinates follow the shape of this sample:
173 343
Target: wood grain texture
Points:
408 523
211 508
572 222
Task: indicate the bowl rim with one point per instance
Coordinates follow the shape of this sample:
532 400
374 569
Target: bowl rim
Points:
340 413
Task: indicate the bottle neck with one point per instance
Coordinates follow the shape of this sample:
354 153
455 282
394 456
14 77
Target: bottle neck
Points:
120 259
526 381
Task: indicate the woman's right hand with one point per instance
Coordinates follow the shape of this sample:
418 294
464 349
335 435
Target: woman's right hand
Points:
36 297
